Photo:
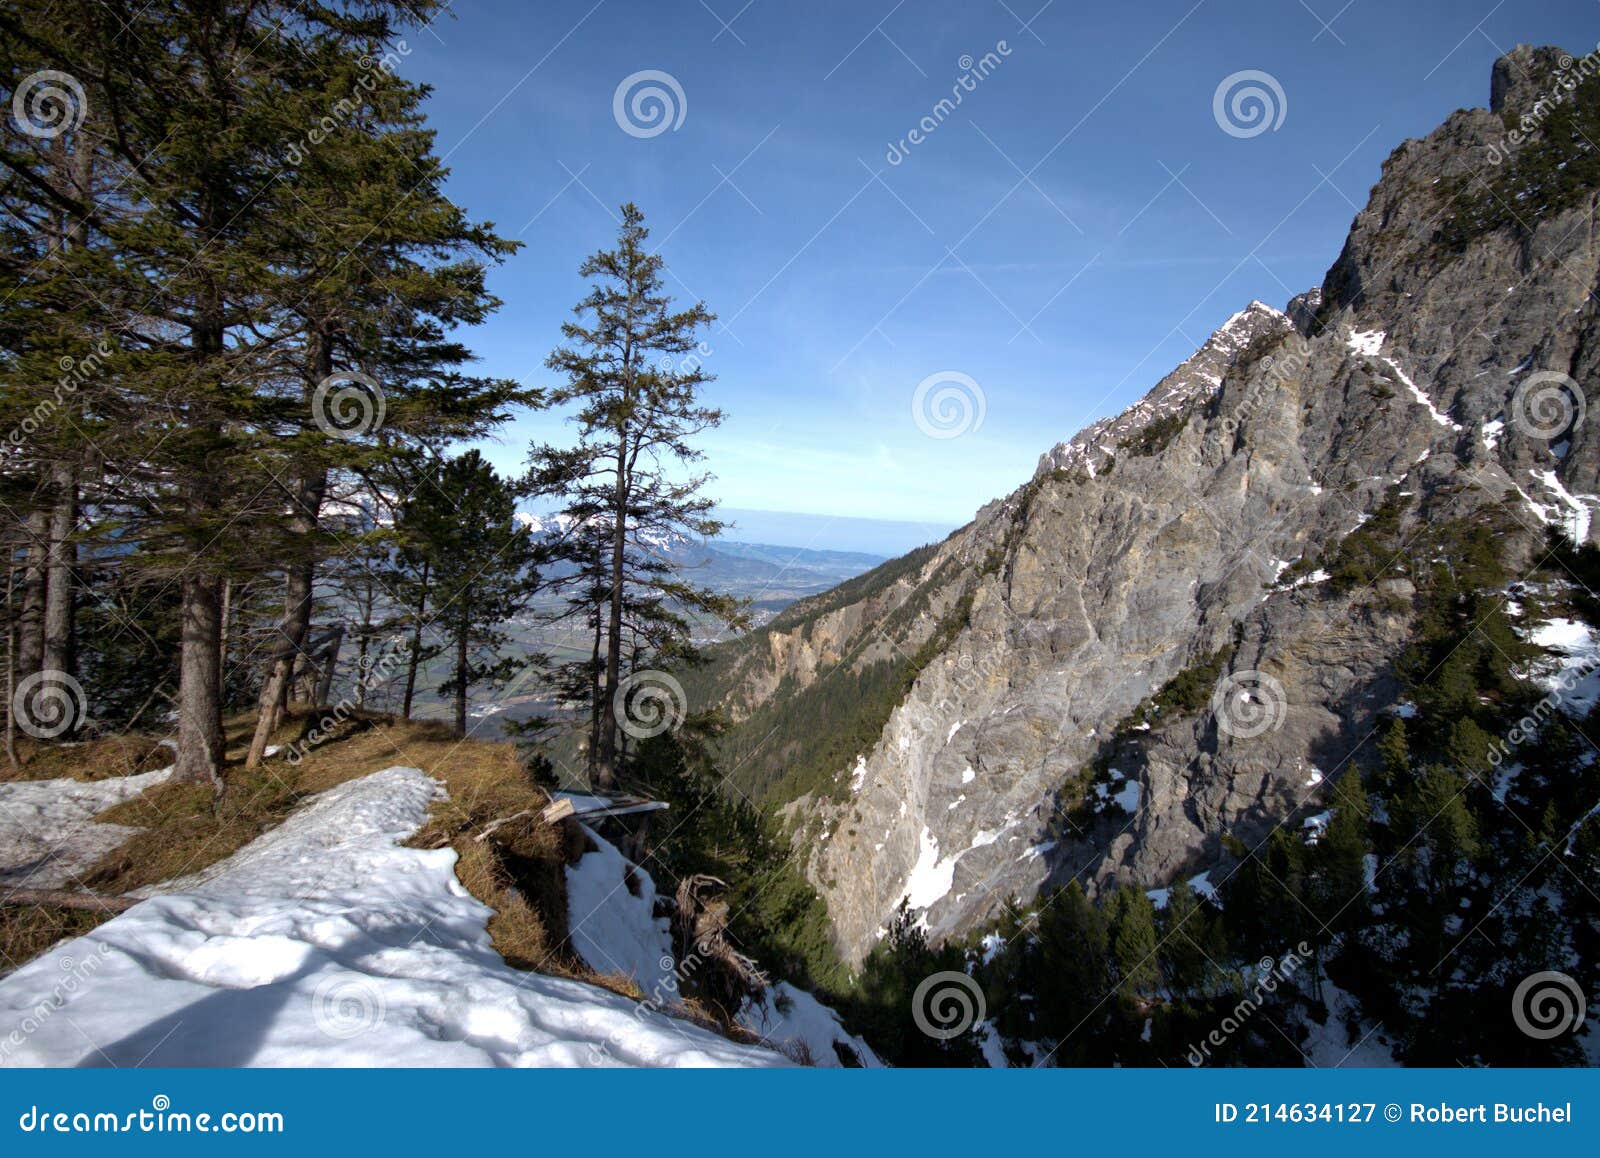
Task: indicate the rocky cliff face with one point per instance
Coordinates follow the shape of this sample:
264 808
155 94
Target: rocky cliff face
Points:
1433 375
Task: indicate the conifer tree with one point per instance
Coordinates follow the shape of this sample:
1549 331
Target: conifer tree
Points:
1073 975
482 560
633 367
1192 945
1339 860
1133 943
389 267
293 228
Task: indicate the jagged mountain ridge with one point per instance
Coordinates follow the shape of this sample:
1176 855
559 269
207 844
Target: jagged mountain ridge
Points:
970 698
1197 376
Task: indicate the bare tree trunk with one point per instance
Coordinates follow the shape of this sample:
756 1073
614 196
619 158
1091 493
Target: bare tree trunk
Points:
68 899
594 698
296 623
330 662
300 574
605 769
227 627
416 644
364 642
133 720
62 552
200 740
30 625
59 628
461 680
362 646
11 667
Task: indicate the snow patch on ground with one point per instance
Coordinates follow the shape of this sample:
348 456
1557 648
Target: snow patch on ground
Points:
1126 796
994 1052
1572 513
1366 342
1200 883
48 836
1572 674
786 1016
611 911
1328 1046
324 943
930 877
1369 343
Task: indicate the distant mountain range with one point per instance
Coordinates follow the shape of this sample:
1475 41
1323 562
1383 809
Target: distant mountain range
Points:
769 575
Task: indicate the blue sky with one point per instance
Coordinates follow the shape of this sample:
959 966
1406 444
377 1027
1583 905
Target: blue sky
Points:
1062 238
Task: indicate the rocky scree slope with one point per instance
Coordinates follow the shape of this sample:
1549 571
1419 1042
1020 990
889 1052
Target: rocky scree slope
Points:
974 721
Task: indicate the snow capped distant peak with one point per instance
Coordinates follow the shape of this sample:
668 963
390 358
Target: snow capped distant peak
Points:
556 524
561 524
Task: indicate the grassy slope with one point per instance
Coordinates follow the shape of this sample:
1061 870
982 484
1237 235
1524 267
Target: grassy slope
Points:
800 738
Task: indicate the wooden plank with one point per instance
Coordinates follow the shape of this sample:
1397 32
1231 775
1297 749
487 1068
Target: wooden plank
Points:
558 809
622 810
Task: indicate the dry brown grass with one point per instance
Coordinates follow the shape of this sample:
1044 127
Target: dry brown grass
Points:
92 760
519 869
27 932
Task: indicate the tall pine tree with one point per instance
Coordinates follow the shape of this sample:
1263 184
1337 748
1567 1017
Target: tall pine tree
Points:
633 367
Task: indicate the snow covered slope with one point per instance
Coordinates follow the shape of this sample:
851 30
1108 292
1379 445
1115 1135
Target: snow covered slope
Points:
787 1015
325 943
611 913
47 830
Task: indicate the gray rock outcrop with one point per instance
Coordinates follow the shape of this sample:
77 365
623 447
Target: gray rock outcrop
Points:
1426 368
